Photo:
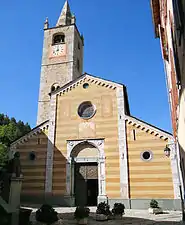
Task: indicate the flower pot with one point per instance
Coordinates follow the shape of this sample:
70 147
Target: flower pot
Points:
155 210
110 217
24 216
101 217
82 221
118 216
59 222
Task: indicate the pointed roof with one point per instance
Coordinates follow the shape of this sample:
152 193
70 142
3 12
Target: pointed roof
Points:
65 16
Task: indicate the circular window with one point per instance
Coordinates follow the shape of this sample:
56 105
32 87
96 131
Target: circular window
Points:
85 86
86 110
17 155
146 155
32 156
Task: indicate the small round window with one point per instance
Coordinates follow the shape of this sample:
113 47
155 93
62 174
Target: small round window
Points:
146 155
86 110
32 156
85 86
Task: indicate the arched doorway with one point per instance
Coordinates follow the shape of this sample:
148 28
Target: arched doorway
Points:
91 152
85 173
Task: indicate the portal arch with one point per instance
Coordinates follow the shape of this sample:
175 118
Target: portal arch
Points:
91 150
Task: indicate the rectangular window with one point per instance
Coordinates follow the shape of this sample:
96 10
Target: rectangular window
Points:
78 64
134 135
176 59
182 168
38 141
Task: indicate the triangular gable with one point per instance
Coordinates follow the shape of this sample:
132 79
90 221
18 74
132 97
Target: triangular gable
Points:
87 78
96 80
36 130
149 128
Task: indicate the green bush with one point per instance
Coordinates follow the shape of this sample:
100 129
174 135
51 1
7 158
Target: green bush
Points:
154 204
103 208
46 214
118 209
81 212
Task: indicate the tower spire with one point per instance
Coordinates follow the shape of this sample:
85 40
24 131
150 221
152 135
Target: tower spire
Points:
65 16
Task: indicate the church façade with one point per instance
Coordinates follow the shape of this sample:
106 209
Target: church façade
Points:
87 147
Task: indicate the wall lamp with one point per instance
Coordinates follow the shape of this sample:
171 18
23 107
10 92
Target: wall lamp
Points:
167 151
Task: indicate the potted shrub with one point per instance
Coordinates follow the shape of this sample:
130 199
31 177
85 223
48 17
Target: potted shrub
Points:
81 214
154 207
103 212
118 210
24 216
47 215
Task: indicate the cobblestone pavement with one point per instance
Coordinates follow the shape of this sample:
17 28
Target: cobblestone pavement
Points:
134 217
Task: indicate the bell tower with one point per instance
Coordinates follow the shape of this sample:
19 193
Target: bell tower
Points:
62 58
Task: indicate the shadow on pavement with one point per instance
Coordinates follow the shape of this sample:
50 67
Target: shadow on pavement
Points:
68 218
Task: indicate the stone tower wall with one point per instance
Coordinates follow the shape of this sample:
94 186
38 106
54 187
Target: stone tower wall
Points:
58 70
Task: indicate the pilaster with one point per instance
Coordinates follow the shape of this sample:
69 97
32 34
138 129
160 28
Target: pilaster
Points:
124 190
50 148
175 169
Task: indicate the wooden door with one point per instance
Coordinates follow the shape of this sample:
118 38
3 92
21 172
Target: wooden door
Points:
83 173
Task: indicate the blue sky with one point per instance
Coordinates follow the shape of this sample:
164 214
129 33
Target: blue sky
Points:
119 45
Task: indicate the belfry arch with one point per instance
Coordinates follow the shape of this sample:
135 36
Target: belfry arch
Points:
89 154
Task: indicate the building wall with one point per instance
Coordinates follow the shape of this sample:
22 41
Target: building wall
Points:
171 17
179 43
148 179
167 23
103 125
33 171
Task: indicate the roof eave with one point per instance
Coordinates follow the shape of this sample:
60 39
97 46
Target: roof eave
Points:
155 7
112 83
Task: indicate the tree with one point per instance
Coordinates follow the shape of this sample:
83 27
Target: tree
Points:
3 154
10 130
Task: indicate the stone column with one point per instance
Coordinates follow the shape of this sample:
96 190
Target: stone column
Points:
175 171
69 182
68 177
101 178
72 176
14 198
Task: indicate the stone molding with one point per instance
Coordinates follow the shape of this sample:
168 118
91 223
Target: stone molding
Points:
37 130
176 171
99 144
124 184
148 128
86 160
86 78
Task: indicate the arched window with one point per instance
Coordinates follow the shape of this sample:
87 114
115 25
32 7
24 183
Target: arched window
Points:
58 39
78 45
54 87
78 64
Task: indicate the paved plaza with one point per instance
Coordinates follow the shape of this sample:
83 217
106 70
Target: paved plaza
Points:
136 217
